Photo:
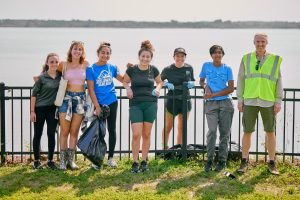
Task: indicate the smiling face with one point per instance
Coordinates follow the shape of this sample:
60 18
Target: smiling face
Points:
260 42
217 56
179 59
104 54
145 58
77 51
52 63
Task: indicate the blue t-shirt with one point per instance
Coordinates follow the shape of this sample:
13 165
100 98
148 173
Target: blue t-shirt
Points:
216 78
103 82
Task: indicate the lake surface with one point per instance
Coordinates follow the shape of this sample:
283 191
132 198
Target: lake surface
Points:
23 52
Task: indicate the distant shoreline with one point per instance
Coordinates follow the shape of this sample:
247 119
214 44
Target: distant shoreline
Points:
217 24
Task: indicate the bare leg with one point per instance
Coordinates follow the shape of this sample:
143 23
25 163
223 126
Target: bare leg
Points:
74 130
146 139
64 131
271 145
137 129
246 144
166 132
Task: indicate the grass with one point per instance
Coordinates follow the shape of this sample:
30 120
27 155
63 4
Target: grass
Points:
170 179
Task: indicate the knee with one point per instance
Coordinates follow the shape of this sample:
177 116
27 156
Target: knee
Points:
64 131
135 136
146 136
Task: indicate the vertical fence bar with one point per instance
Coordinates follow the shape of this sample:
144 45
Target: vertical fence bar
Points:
30 130
195 116
184 119
12 124
2 122
293 139
21 125
203 127
120 127
256 139
284 121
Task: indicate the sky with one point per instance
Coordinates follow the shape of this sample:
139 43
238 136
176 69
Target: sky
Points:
152 10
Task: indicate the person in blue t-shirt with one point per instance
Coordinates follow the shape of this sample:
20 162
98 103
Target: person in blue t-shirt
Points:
102 92
218 106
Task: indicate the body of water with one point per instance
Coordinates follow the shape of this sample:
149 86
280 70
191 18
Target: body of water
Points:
23 52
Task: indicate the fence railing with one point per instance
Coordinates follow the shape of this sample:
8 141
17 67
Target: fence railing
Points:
17 132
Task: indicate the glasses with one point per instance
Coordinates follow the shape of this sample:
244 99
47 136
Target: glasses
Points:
257 65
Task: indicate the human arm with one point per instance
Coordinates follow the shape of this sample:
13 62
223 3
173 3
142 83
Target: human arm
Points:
32 109
92 94
240 87
159 84
279 94
126 82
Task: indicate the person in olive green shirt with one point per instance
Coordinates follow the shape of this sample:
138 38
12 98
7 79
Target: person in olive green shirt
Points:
259 89
43 109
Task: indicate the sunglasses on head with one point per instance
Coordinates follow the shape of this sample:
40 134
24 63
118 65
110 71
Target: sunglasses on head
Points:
257 65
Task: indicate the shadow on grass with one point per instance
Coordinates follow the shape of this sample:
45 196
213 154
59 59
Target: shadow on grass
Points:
83 181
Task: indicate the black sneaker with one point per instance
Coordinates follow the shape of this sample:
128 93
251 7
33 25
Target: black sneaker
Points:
272 168
51 165
208 166
243 166
144 166
135 167
220 166
37 164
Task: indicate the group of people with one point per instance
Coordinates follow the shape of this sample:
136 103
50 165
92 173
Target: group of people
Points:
259 89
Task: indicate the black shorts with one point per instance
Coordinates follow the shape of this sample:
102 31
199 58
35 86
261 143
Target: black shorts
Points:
177 108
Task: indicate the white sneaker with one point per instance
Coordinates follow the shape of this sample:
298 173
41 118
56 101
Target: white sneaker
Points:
112 163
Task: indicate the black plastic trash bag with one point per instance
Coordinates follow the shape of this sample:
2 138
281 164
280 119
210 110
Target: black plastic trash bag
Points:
91 142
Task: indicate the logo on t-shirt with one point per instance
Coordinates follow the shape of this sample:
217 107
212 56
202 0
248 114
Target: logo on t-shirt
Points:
104 79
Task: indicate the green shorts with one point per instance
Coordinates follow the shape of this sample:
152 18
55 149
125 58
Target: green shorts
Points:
143 112
250 114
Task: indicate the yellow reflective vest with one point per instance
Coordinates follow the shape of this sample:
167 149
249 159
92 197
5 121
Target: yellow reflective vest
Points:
261 77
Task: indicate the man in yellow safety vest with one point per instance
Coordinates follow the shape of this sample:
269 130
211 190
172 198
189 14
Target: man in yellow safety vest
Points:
259 89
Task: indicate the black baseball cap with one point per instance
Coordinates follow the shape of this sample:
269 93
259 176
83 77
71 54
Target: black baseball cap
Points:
179 50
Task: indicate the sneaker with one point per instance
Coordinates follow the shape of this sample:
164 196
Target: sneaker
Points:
51 165
243 166
112 163
220 166
37 165
135 167
208 166
272 168
96 167
144 166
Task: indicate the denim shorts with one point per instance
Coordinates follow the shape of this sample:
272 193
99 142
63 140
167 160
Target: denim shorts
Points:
64 107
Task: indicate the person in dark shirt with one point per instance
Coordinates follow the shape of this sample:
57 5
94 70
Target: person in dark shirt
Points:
142 102
43 109
174 76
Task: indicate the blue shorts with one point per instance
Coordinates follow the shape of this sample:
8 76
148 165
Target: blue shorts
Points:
64 107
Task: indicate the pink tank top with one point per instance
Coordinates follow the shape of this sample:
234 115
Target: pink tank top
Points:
75 76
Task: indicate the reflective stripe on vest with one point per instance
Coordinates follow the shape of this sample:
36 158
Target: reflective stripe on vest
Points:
261 83
271 77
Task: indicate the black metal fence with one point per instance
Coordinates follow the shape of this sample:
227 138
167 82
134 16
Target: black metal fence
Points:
17 131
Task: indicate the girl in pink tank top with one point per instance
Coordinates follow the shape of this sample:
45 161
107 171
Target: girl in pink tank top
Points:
75 76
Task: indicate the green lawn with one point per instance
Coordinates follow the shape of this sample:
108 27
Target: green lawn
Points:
165 180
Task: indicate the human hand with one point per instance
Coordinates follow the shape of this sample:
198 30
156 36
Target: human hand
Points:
98 111
240 106
129 93
129 65
170 86
277 108
32 116
190 84
155 92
